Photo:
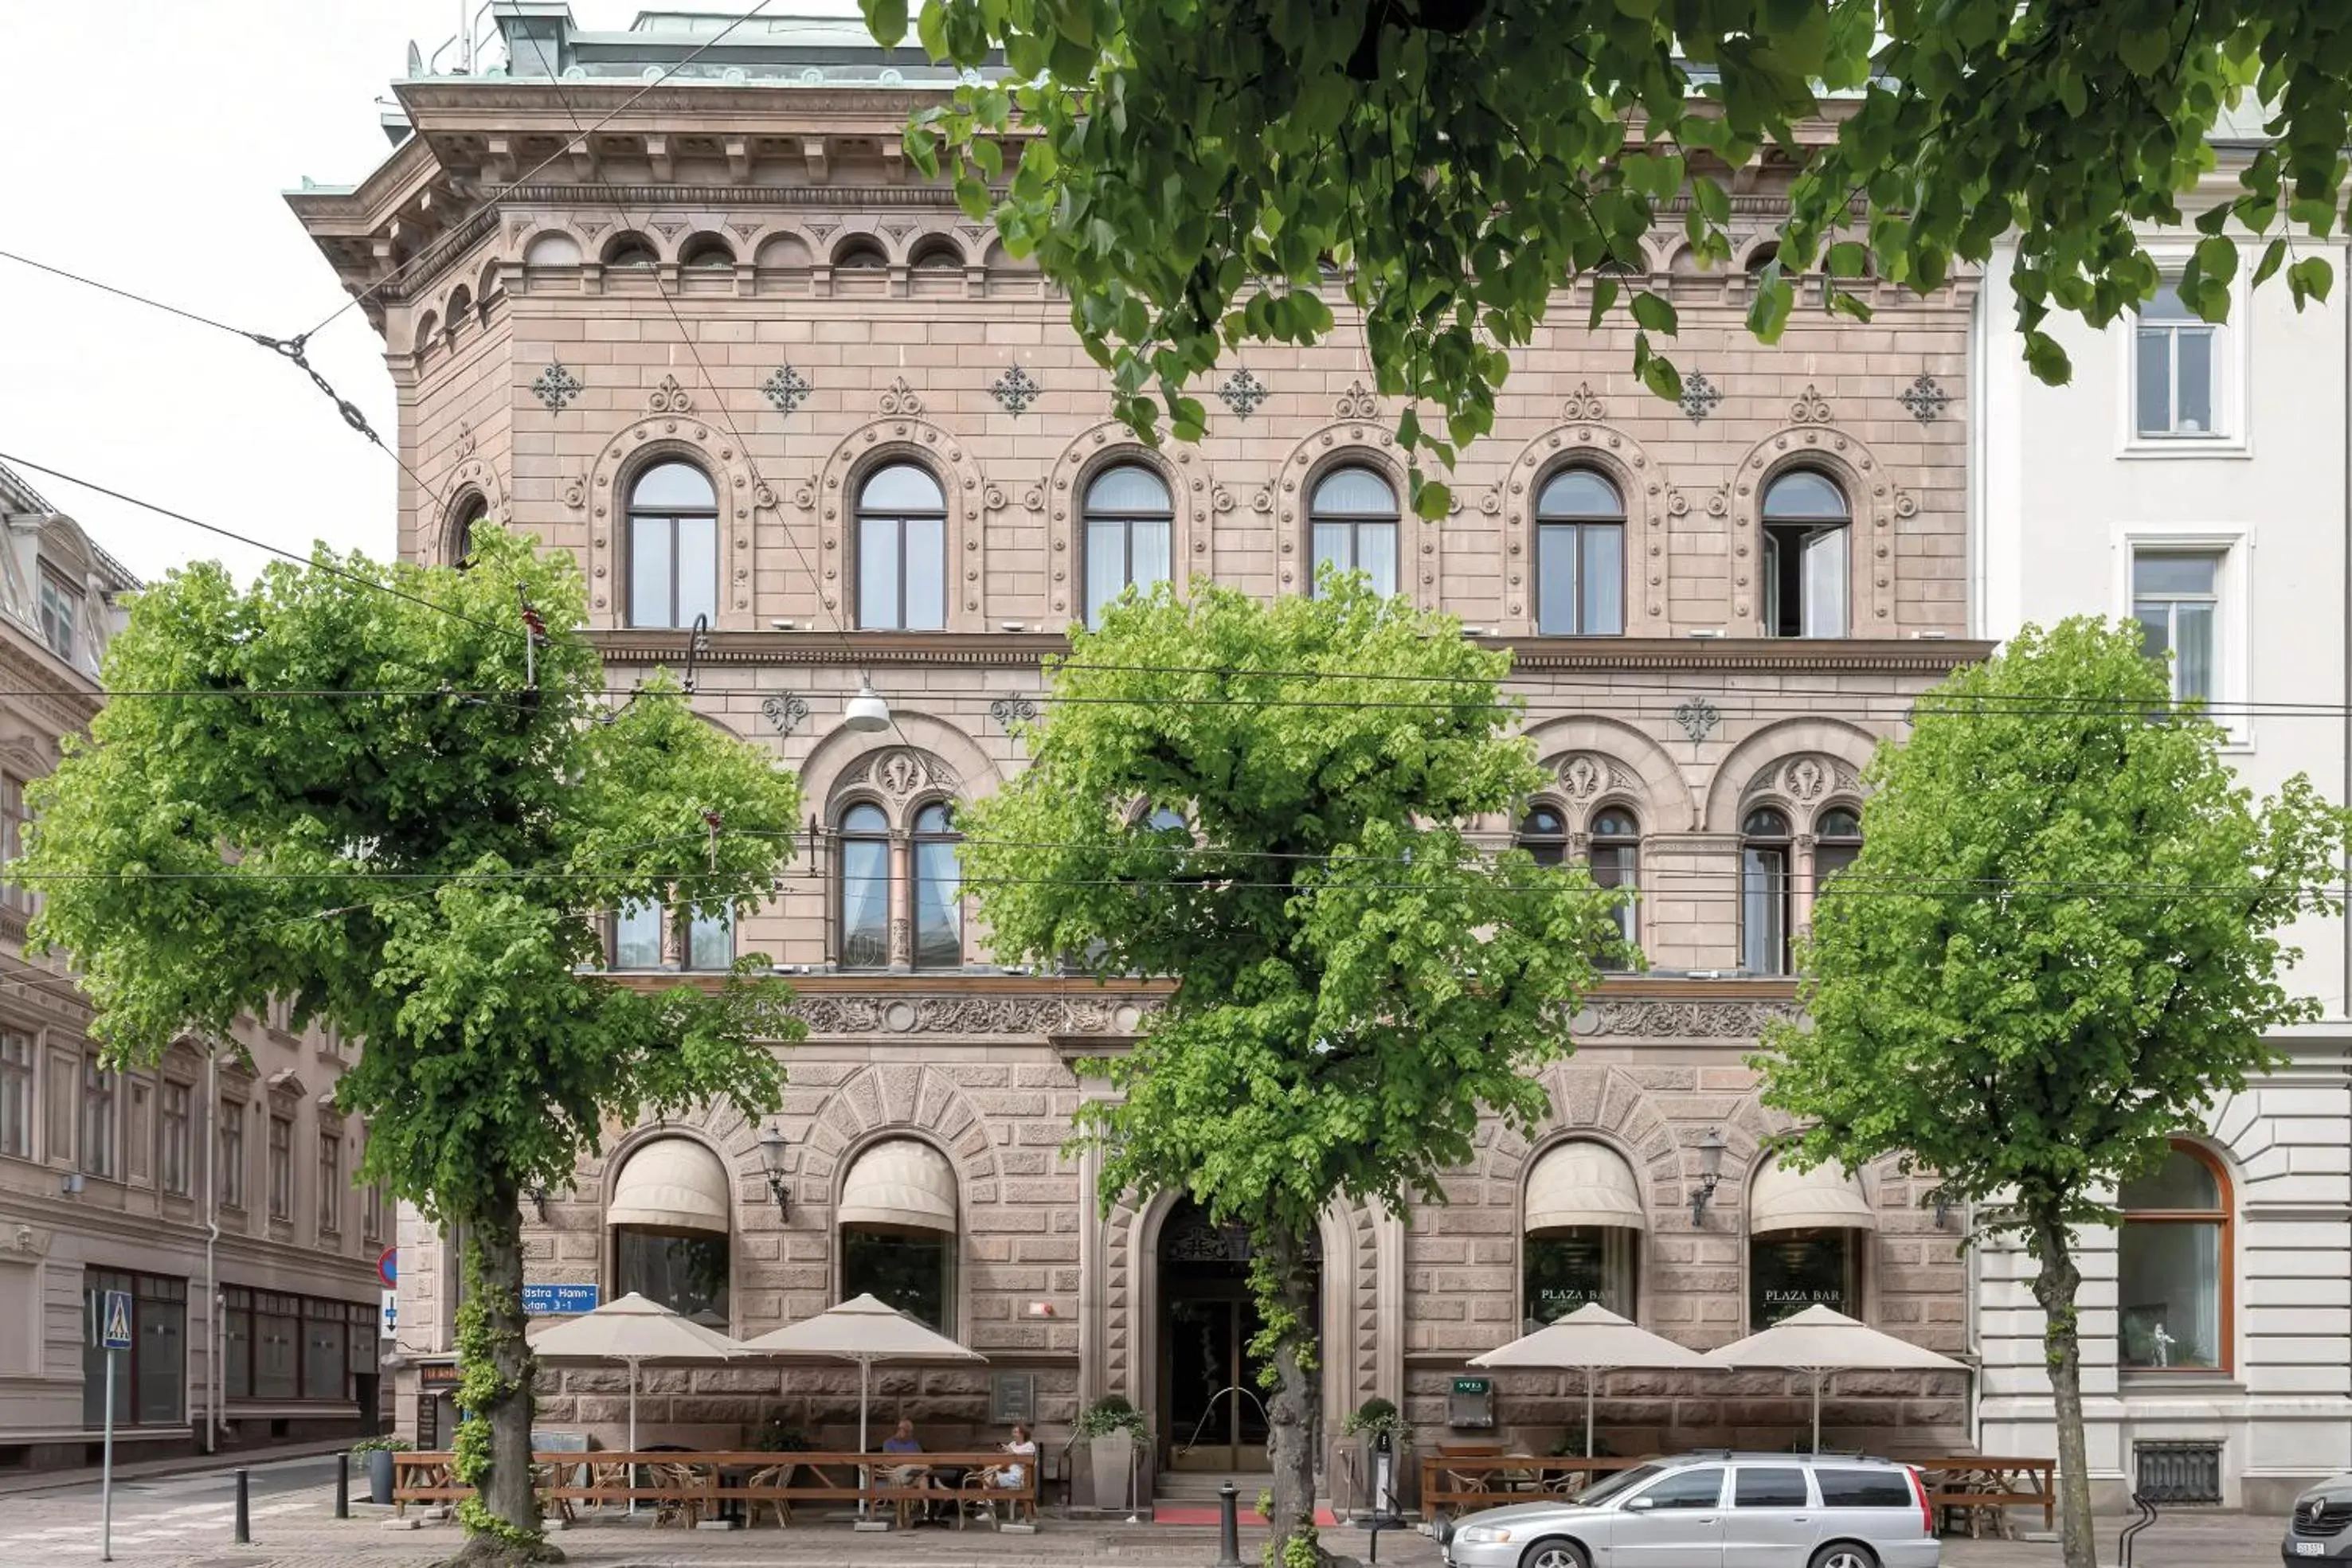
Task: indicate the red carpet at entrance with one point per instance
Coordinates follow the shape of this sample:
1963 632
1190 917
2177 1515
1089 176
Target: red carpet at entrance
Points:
1206 1513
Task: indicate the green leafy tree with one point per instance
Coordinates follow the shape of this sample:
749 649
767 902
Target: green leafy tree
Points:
1188 170
388 808
2059 942
1271 804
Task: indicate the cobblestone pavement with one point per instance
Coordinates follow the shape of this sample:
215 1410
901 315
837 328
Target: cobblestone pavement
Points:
296 1530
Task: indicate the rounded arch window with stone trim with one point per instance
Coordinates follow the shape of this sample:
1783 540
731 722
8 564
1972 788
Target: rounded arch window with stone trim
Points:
935 253
552 249
860 253
902 565
1766 920
897 1219
1808 1236
470 507
1353 524
671 1219
2173 1265
1808 527
629 249
862 887
1579 528
1837 841
1581 1233
672 544
1614 857
936 888
705 251
1543 833
1130 530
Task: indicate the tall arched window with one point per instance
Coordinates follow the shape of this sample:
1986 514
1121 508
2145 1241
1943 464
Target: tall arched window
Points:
1617 863
897 1217
1581 1233
2172 1265
1129 518
1837 840
671 1222
864 894
1543 833
1353 521
938 890
902 533
1764 893
471 508
1806 520
673 546
1579 556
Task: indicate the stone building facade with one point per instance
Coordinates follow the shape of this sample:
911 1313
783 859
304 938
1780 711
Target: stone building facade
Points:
213 1187
729 351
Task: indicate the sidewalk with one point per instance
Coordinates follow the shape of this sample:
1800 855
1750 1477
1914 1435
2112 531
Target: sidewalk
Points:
178 1465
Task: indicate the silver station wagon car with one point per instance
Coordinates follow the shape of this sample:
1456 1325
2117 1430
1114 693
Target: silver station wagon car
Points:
1715 1510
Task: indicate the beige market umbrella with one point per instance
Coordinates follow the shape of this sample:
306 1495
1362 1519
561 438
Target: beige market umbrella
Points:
1819 1341
633 1329
1591 1339
865 1331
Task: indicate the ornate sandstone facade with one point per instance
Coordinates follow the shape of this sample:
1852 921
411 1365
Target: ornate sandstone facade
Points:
729 351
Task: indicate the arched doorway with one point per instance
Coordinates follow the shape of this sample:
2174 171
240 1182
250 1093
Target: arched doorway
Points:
1212 1407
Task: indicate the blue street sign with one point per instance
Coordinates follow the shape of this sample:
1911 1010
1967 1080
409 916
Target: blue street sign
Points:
543 1300
115 1331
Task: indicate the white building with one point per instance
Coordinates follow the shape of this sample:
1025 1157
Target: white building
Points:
2198 479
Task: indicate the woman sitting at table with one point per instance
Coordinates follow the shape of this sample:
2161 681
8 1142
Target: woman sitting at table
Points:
1015 1472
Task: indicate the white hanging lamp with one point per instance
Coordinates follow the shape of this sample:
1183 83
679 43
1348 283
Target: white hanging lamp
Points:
866 712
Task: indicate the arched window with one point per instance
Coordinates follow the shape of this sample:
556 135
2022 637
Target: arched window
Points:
1617 863
1579 556
2172 1265
1807 1232
864 893
1764 893
1130 519
902 530
552 250
1543 833
860 254
938 255
897 1220
938 890
471 508
1837 840
673 546
1806 520
670 1220
1582 1233
630 249
1353 521
707 251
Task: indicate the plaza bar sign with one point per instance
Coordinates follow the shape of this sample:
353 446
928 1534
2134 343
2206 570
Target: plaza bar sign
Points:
548 1300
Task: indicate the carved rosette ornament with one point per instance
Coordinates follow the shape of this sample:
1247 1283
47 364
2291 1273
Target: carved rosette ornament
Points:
1583 406
1810 407
669 398
898 398
1357 403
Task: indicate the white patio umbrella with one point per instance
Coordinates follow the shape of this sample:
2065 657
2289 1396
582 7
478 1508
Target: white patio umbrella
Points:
1820 1341
632 1330
1592 1339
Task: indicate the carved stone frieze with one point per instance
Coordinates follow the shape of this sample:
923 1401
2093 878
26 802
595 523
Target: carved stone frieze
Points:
1653 1019
900 1012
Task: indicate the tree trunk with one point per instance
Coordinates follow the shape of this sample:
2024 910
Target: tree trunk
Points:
1291 1415
2055 1284
505 1528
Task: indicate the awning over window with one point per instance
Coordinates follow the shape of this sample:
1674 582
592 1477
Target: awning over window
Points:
1826 1198
903 1182
672 1183
1584 1183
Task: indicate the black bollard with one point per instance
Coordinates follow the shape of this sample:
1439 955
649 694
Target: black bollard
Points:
1229 1526
244 1536
343 1484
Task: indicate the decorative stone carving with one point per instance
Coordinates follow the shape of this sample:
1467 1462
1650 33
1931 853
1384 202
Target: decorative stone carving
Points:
1651 1020
787 389
463 446
1810 407
1924 399
557 386
899 398
1584 774
785 712
1697 716
1015 391
1242 392
900 773
669 398
1357 403
896 1012
1805 780
1700 396
1015 709
1583 406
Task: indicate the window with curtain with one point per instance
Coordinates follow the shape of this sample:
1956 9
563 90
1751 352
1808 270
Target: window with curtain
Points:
1579 556
173 1168
1129 522
1806 524
2174 370
330 1183
1837 840
231 1140
16 1098
1764 891
2177 600
97 1133
1616 861
672 546
711 941
1543 833
1353 524
638 936
938 890
2172 1284
865 891
687 1273
902 531
281 1167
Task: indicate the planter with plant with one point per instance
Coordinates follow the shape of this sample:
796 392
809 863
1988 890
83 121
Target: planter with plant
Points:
1369 1423
378 1452
1112 1429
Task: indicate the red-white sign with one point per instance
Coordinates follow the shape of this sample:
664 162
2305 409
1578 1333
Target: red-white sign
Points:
386 1268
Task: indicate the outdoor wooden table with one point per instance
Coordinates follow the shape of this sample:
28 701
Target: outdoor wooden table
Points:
1984 1480
1462 1482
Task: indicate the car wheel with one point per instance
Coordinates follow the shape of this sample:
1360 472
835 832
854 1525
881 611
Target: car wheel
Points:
1844 1554
1555 1554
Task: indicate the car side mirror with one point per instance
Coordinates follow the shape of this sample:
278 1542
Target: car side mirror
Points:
1642 1503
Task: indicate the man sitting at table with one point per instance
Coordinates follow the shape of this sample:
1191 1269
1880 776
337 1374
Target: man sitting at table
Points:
901 1440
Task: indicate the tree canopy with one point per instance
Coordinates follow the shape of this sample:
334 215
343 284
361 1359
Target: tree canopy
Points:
2061 940
1273 805
389 808
1190 170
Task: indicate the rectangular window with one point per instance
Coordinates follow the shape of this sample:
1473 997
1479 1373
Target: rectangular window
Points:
1804 581
1121 551
12 842
710 942
1789 1270
1368 548
16 1095
865 903
1865 1489
2176 599
1776 1486
97 1127
139 1141
232 1154
1579 580
638 938
330 1183
276 1346
57 606
2174 380
902 572
149 1378
673 571
325 1349
281 1167
172 1165
371 1212
237 1342
64 1081
1764 911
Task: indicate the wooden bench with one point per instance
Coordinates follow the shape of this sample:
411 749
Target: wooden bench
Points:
1459 1482
1988 1481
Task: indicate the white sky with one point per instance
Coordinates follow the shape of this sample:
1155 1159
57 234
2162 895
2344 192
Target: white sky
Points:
146 143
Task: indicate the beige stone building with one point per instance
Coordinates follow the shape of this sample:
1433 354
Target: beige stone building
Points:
216 1189
712 335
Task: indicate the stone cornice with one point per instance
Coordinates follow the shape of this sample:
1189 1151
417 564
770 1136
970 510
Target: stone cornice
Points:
830 198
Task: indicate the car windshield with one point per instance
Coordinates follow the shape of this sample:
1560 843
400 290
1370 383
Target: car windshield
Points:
1608 1487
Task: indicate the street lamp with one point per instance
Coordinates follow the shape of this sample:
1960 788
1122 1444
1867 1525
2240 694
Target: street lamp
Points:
771 1161
866 713
1710 1171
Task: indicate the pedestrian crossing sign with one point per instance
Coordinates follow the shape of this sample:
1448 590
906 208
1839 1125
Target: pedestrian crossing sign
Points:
116 1334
